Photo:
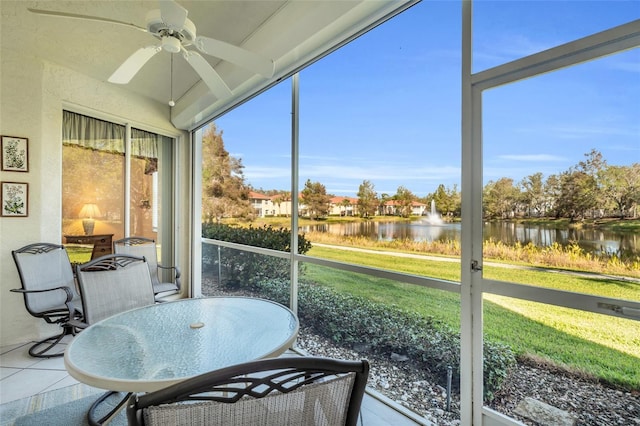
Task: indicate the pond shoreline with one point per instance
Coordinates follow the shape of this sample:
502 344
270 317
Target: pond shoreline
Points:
488 263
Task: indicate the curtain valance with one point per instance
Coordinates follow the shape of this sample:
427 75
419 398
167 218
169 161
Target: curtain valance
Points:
92 133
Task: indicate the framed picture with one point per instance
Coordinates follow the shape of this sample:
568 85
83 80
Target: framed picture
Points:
15 199
15 154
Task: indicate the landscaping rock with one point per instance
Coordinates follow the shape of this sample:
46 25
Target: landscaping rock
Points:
409 384
399 358
544 414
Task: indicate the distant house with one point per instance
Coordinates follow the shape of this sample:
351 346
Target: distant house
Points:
343 206
262 204
275 205
281 205
393 208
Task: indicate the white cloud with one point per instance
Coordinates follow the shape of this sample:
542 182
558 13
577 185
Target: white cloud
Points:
575 132
379 172
531 157
252 174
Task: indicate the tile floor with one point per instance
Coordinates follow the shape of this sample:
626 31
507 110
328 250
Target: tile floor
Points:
22 375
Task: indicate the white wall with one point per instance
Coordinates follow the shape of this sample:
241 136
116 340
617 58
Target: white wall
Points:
32 96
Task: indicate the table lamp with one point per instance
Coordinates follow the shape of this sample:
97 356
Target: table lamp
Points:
88 212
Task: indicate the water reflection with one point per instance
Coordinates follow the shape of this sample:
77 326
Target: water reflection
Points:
591 240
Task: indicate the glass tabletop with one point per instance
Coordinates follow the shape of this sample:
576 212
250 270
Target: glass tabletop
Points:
150 348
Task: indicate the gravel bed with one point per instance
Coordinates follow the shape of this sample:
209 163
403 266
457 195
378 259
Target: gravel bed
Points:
403 381
588 402
400 381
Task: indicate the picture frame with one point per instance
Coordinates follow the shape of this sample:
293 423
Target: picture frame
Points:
15 154
15 199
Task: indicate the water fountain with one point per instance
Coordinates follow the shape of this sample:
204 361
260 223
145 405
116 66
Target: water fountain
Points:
433 217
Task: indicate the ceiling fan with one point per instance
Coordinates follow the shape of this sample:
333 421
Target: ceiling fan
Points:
176 32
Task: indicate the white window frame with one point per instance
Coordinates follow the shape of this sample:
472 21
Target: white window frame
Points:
472 285
611 41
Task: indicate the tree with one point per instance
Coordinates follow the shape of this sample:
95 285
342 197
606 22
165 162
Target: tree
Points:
405 199
533 194
454 206
593 164
224 192
314 196
551 191
440 199
593 167
345 203
577 194
500 198
384 197
367 199
620 185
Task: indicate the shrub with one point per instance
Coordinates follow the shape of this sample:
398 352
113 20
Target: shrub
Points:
352 321
238 268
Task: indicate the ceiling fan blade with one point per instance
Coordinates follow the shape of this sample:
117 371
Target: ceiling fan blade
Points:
132 65
173 15
208 75
84 17
237 55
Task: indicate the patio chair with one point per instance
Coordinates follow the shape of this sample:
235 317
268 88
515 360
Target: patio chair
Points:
111 284
276 391
49 291
140 246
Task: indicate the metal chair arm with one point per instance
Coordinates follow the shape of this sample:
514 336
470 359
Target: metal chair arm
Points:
66 289
175 268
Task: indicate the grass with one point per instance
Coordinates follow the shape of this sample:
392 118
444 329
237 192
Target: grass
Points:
602 347
78 253
629 225
571 257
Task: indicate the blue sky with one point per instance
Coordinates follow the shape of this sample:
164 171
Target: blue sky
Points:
386 107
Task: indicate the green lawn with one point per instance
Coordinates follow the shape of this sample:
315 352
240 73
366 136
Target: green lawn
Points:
602 346
79 254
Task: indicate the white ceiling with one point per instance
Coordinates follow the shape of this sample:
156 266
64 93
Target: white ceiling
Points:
291 33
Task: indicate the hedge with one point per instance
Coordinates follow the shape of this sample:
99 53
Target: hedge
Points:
238 268
345 319
353 321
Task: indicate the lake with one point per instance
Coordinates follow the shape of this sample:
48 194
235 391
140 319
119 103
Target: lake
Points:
591 240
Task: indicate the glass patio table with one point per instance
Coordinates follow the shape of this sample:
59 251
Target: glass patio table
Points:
150 348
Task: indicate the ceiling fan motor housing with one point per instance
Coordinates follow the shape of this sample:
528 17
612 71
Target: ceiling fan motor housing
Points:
156 26
171 44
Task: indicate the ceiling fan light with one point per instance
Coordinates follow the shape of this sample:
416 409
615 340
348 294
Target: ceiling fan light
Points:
171 44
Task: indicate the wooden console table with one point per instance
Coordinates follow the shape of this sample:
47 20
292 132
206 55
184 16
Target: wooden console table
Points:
102 244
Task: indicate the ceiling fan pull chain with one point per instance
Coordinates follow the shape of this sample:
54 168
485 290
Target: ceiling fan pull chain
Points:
171 102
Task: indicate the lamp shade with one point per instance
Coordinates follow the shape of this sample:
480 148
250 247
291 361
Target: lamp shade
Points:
90 211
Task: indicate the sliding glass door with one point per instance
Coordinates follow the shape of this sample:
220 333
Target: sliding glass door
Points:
116 182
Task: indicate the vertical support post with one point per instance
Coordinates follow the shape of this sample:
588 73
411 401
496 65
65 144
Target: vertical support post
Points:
195 140
471 339
219 267
127 180
295 121
449 376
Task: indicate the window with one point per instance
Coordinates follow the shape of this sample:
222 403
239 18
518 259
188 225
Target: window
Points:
556 135
113 184
501 314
